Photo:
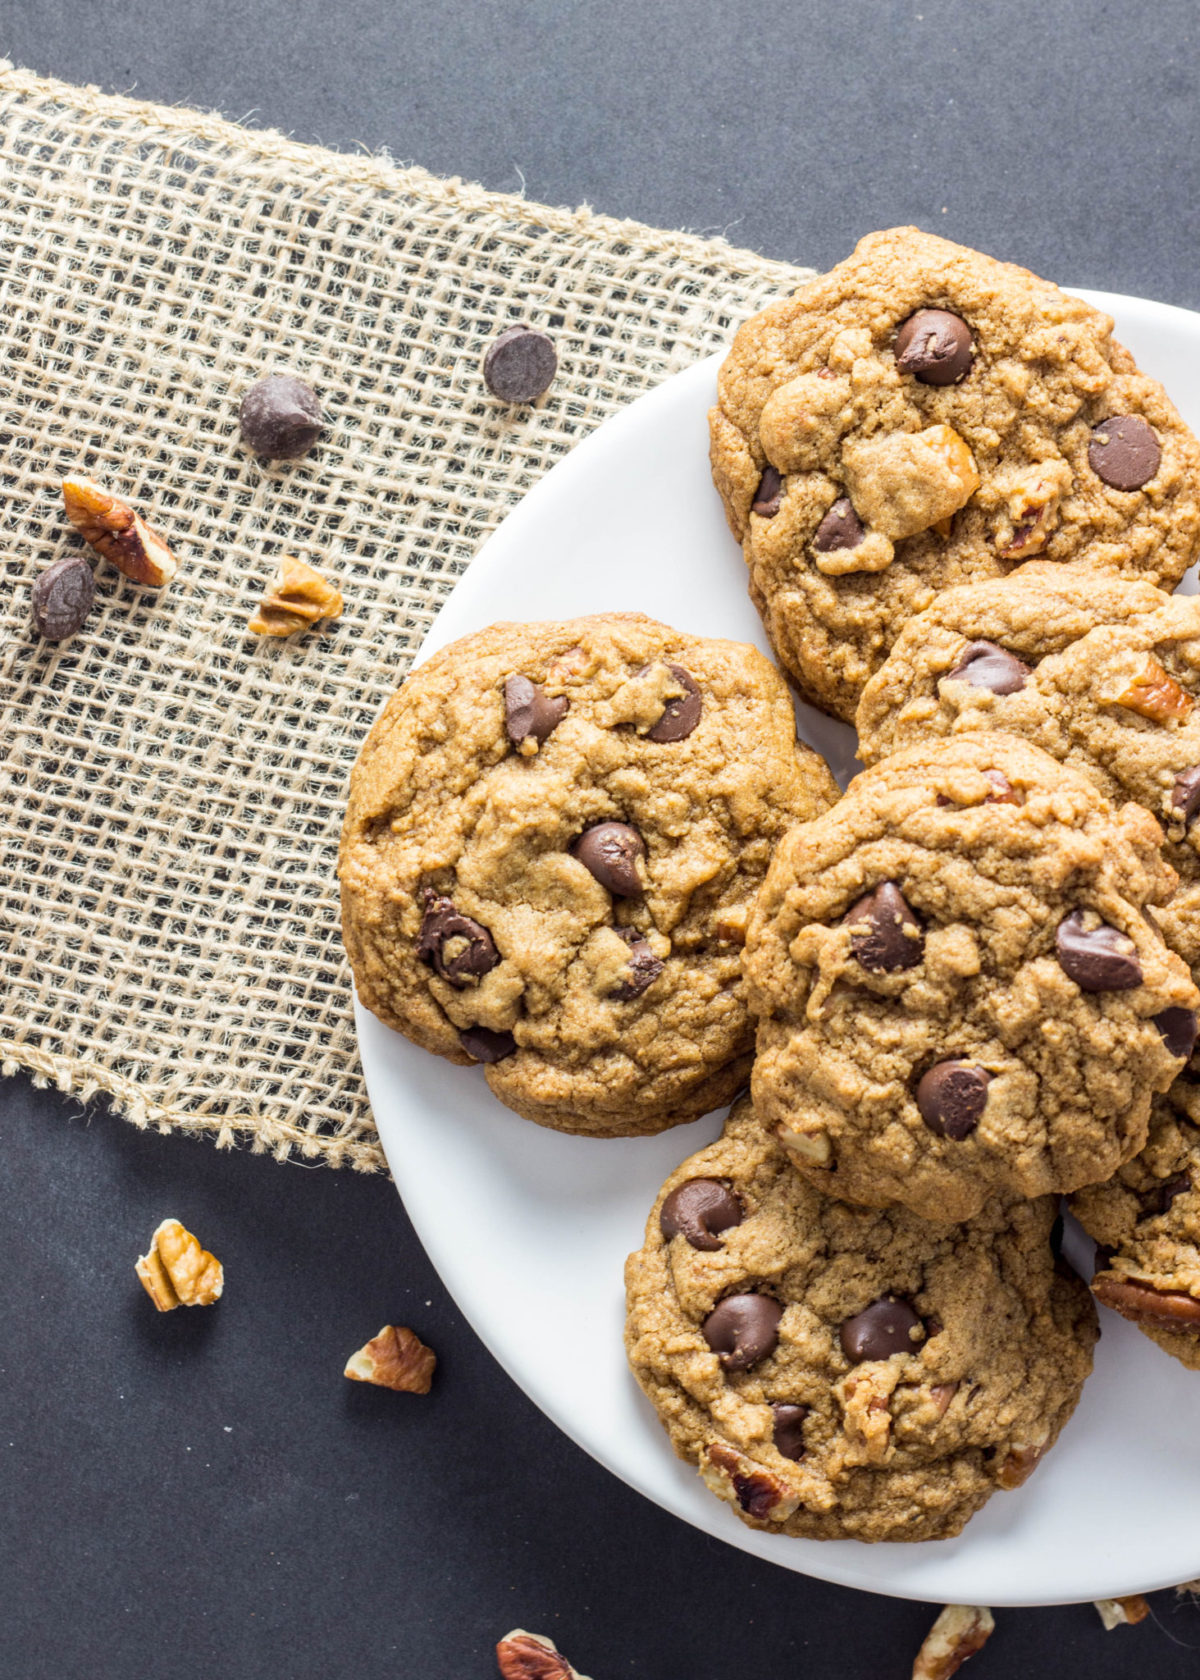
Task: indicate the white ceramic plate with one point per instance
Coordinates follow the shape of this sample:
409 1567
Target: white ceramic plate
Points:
529 1229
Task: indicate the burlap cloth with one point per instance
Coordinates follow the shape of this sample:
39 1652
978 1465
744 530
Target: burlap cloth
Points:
171 786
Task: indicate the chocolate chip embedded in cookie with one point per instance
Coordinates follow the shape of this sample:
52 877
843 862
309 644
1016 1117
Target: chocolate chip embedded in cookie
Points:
553 838
834 1371
1146 1221
921 417
996 1013
1100 672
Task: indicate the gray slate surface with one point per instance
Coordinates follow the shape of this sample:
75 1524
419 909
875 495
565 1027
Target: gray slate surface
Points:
203 1495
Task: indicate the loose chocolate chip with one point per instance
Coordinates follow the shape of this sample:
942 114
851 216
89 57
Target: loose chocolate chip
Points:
1098 959
935 346
280 417
789 1430
743 1329
486 1045
1178 1028
529 710
682 714
698 1210
459 948
643 968
883 1328
769 495
952 1096
609 852
1160 1198
840 528
986 665
892 939
62 598
1185 796
1124 452
520 365
1165 1309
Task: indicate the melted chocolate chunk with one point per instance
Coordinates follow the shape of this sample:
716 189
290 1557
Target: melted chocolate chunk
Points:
698 1211
1098 959
886 934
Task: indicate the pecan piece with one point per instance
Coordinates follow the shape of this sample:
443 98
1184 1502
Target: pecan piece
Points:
395 1358
118 533
739 1481
960 1631
1155 695
530 1656
1122 1612
298 597
1019 1464
177 1272
1165 1309
1033 509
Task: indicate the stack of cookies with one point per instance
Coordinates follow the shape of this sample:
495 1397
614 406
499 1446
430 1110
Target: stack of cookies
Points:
593 857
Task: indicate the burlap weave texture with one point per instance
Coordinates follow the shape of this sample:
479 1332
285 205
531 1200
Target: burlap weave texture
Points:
170 786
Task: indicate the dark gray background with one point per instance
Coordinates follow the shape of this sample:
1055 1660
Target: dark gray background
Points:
203 1494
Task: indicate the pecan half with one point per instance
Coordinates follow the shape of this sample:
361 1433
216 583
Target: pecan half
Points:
177 1272
960 1631
298 597
395 1358
529 1656
1165 1309
739 1481
1155 695
118 533
1122 1612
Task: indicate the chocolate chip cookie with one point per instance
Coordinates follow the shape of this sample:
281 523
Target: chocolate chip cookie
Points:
923 416
553 835
959 991
843 1372
1147 1223
1098 672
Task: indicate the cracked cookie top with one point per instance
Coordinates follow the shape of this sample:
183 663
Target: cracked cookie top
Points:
958 989
924 416
844 1372
552 838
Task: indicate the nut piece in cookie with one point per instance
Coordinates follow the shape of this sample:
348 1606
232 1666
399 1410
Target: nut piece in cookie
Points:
839 1372
1146 1221
117 532
922 417
959 984
554 836
177 1271
395 1358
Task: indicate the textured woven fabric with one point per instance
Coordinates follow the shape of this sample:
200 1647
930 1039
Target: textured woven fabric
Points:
172 786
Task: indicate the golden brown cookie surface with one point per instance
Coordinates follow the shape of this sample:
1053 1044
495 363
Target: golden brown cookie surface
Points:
924 416
837 1371
553 834
959 992
1147 1223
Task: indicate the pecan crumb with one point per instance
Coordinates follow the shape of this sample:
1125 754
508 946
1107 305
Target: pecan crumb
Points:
1122 1612
118 533
395 1358
1155 695
177 1272
529 1656
960 1631
298 597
